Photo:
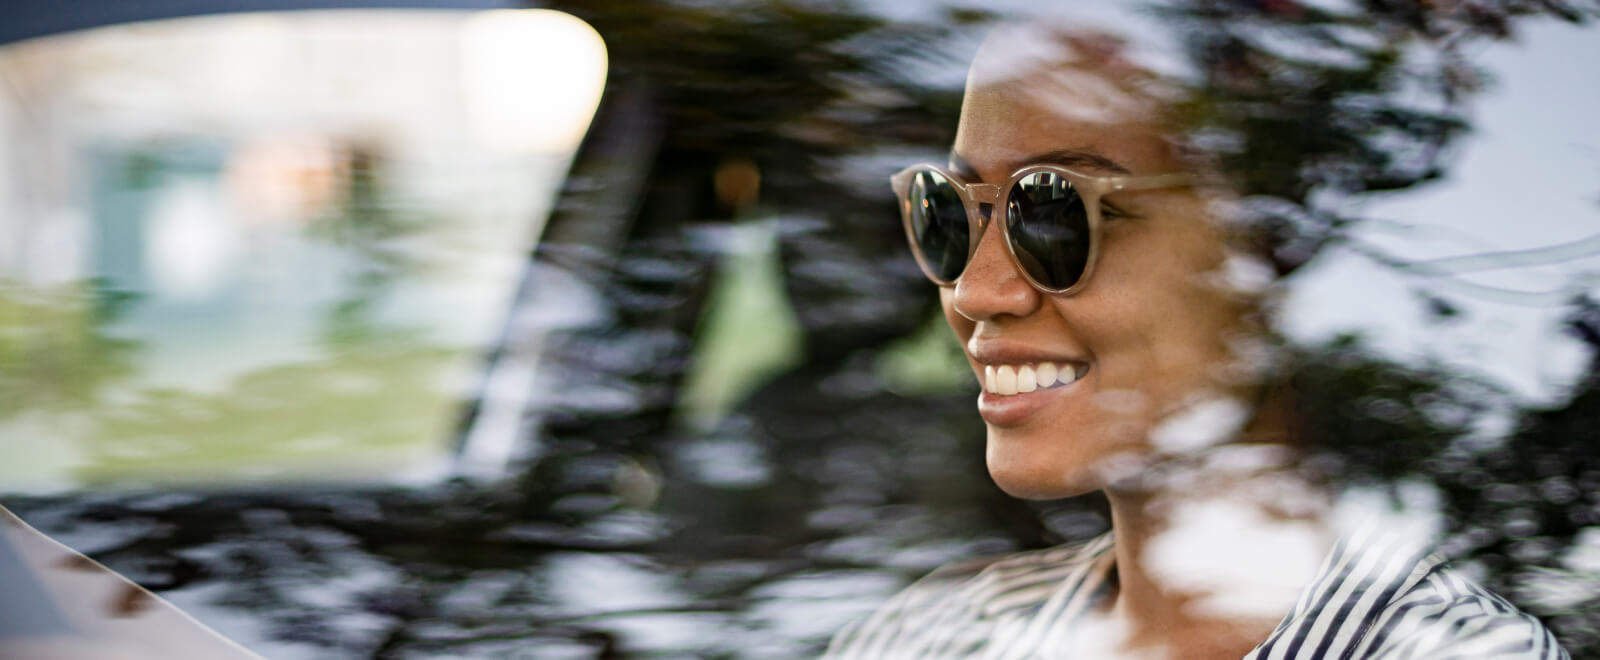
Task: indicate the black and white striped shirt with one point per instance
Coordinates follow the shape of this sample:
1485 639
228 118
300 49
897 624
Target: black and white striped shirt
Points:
1372 598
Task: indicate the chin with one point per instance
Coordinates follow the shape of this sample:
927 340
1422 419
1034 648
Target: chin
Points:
1052 468
1033 490
1031 478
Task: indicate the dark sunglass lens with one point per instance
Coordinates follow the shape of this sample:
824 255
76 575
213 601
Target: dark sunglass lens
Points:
1049 228
938 225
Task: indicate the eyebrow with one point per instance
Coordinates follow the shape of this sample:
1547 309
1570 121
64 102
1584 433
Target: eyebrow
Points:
1074 158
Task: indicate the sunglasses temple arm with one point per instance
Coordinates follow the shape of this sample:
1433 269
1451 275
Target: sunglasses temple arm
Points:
1133 183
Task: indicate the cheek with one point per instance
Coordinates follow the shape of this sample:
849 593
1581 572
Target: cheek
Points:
1153 315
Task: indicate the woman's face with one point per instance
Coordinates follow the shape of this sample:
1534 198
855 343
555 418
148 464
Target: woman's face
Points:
1149 334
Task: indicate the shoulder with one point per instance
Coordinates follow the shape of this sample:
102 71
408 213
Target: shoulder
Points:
1447 615
1382 598
958 605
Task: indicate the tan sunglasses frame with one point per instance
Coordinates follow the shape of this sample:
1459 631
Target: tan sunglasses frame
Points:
1090 188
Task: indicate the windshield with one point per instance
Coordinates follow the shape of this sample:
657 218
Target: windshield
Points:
379 333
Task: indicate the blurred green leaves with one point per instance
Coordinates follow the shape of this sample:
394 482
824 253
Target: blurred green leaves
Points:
58 350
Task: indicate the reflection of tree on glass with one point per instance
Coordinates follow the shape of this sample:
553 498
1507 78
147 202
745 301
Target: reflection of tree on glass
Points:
1115 311
858 469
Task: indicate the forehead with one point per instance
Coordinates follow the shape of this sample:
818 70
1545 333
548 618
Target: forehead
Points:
1023 99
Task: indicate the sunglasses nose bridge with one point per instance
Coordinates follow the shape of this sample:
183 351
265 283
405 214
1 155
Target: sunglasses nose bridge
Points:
984 197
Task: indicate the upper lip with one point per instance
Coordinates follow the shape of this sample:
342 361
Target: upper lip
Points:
999 352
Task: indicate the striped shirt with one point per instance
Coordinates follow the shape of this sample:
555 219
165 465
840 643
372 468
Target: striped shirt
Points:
1372 598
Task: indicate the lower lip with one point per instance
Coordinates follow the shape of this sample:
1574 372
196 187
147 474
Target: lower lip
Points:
1016 409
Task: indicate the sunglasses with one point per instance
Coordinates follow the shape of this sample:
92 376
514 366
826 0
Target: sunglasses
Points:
1051 222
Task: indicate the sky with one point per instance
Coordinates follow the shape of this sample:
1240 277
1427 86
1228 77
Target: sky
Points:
1528 176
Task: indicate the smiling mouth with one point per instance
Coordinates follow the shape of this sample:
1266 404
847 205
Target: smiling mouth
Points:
1009 379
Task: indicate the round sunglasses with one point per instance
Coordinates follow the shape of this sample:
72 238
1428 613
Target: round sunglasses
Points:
1051 222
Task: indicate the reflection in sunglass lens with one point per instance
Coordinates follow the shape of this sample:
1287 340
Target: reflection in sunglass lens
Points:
938 225
1049 228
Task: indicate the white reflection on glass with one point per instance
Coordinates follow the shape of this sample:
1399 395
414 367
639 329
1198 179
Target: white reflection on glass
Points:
510 110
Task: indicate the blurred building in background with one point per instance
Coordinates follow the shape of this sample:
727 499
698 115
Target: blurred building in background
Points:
243 247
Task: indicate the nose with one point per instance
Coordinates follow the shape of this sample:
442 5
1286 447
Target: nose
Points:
991 287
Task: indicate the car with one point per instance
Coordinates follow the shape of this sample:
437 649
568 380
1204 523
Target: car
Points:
457 328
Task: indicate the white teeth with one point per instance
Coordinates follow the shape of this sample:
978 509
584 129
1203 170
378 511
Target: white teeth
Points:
1046 375
1014 379
1005 379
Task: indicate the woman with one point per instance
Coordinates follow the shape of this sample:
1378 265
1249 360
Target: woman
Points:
1104 304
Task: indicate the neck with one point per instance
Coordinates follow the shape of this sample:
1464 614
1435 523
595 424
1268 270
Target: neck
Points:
1212 549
